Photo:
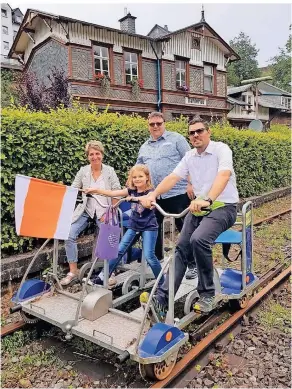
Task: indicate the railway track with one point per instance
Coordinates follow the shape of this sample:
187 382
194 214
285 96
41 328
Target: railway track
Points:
184 371
12 327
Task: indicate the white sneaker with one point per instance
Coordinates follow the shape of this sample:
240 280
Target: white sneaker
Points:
89 282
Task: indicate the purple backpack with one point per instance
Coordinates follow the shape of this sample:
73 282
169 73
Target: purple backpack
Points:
107 246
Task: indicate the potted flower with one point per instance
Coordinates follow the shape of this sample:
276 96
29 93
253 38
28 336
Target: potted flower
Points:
183 88
104 81
137 84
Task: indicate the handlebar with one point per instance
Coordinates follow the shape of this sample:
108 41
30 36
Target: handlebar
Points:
106 205
158 207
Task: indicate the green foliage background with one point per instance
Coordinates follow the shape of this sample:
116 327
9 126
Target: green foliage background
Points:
51 146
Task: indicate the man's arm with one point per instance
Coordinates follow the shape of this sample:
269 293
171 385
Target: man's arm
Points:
219 184
140 160
217 188
166 184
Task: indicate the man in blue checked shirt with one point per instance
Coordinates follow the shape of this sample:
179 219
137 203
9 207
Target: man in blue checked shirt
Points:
161 153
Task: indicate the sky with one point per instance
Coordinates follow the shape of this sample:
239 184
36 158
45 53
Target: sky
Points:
267 24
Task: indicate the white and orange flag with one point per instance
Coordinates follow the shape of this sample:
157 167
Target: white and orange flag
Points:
43 209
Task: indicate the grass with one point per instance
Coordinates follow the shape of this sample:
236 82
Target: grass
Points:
274 315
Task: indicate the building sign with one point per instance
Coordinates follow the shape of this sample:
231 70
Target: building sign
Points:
195 101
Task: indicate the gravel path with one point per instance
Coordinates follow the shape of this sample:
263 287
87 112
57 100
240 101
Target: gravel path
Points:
258 357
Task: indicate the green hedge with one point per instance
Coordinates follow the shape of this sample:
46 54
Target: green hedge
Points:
51 146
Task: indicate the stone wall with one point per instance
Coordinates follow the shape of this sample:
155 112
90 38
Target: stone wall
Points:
45 58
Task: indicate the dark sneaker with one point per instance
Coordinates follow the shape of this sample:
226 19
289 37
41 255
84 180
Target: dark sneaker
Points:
191 273
205 304
160 310
97 281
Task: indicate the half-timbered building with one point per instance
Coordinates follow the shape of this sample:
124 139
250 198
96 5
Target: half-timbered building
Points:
179 72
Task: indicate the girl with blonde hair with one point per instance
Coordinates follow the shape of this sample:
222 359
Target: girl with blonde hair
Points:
142 220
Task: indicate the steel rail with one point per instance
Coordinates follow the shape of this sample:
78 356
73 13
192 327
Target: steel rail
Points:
267 219
210 338
12 327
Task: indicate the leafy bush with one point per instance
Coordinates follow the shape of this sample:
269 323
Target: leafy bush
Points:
51 146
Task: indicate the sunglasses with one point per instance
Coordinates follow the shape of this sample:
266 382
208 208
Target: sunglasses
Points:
199 132
158 124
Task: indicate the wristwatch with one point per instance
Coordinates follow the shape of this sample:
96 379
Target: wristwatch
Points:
209 200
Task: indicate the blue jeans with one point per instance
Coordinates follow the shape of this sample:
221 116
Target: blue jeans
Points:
76 228
149 241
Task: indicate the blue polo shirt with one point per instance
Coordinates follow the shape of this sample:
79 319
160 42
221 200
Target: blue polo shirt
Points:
162 156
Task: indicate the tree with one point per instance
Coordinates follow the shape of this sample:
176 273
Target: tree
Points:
247 66
37 96
8 88
281 67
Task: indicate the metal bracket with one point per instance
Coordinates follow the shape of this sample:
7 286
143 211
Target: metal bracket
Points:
47 24
66 32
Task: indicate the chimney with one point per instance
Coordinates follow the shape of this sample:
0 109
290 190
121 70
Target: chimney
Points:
166 27
127 23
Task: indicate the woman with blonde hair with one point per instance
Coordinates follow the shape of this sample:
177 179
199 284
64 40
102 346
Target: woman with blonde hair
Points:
96 175
142 220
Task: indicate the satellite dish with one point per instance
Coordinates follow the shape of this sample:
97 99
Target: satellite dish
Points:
256 125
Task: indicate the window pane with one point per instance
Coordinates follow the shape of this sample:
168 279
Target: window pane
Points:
104 52
134 57
208 87
96 50
177 76
208 70
128 78
134 70
128 69
183 77
97 64
6 45
5 30
104 64
127 56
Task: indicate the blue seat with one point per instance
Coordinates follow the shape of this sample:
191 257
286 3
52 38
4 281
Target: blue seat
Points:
230 236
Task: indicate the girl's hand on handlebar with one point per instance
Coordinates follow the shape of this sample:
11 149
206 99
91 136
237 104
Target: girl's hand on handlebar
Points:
147 200
197 204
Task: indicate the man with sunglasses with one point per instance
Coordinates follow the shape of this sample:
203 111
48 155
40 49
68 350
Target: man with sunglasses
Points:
210 167
161 153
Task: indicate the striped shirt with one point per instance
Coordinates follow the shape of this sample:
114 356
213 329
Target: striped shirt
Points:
162 156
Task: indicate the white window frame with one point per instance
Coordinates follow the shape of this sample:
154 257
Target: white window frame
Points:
131 63
5 44
180 69
101 58
209 76
4 13
4 28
